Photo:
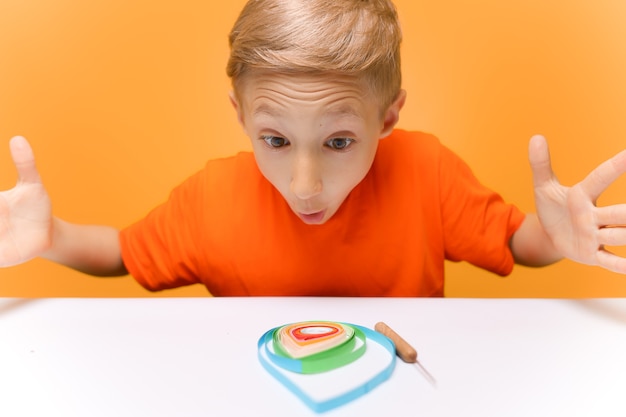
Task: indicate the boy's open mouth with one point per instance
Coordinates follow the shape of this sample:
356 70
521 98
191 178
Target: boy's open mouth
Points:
313 218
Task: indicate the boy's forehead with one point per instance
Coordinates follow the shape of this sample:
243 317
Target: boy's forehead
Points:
304 80
267 92
338 110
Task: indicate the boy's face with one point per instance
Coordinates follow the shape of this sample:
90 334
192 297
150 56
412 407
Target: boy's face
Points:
314 137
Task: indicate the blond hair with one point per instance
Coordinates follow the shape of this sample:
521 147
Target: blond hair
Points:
359 38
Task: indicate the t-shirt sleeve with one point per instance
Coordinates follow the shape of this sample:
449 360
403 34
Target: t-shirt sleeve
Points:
159 251
478 224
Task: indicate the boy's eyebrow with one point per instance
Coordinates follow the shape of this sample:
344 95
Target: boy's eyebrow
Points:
343 110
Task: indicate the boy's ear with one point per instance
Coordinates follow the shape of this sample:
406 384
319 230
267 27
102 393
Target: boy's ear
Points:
392 114
236 106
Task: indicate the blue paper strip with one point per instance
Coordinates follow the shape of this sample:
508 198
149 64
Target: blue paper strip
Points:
322 406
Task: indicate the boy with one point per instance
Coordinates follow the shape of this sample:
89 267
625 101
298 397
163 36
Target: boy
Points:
334 200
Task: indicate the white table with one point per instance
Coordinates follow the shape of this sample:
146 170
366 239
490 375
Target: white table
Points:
197 357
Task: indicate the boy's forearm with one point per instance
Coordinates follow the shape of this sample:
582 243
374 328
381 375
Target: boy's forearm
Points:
94 250
531 246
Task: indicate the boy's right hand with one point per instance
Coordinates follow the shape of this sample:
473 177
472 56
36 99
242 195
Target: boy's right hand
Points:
25 210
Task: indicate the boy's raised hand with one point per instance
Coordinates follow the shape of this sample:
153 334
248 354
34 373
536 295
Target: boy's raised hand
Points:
578 228
25 210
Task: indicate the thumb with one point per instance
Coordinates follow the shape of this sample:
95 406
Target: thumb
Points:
539 157
24 160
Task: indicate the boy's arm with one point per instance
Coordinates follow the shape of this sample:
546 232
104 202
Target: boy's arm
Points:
28 229
531 245
569 223
92 249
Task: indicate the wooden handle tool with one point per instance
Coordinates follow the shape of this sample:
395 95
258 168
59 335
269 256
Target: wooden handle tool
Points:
404 350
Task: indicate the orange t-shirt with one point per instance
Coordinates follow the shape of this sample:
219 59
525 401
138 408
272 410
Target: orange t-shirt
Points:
228 228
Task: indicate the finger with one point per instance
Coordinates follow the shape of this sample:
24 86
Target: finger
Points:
612 262
24 160
604 175
612 236
614 215
539 158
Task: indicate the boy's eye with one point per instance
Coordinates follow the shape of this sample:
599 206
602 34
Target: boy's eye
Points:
339 143
274 141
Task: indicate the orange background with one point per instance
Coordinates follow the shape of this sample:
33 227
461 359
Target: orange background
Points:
123 99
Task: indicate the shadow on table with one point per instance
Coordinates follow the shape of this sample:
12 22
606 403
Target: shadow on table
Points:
613 309
10 305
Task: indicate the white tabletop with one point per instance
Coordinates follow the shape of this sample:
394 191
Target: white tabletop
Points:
198 357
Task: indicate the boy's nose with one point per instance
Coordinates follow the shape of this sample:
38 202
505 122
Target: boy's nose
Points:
306 181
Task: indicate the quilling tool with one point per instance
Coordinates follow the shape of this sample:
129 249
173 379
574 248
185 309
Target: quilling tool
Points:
404 350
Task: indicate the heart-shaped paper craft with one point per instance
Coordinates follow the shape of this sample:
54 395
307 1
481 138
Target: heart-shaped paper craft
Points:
333 376
299 340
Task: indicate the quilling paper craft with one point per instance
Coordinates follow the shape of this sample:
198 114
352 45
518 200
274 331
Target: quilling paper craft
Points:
327 364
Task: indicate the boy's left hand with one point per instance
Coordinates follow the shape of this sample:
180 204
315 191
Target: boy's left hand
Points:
578 228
